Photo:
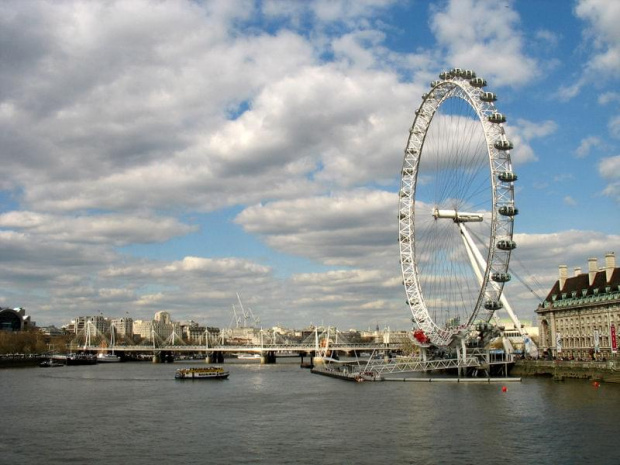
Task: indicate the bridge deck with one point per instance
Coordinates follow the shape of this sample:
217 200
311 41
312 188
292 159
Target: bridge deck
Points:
255 349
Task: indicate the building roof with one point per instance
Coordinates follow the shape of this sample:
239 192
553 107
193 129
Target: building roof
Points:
580 286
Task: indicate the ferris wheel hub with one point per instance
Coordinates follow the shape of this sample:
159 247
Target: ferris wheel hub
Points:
457 217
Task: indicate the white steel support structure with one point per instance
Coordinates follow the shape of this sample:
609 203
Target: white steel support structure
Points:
478 263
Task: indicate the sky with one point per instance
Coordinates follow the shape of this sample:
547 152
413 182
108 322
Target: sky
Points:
169 155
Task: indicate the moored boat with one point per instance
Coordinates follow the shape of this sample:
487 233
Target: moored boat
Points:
103 358
287 354
80 359
248 356
201 373
51 363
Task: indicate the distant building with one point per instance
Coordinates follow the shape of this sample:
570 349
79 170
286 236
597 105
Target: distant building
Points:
162 317
161 327
243 336
580 316
14 319
143 328
123 327
101 324
51 331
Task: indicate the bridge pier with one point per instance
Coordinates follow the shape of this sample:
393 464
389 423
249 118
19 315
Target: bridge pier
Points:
163 357
215 357
267 358
307 364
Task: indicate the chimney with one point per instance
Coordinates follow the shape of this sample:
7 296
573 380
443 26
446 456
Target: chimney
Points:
577 270
592 270
563 275
610 265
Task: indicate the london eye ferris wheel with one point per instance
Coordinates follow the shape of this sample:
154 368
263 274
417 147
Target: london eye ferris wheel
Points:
456 209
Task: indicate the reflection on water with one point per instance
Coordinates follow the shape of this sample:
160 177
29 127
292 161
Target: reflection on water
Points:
137 413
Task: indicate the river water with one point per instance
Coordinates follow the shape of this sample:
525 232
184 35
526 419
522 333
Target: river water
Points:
281 414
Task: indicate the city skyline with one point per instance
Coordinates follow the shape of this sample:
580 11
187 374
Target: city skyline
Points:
169 155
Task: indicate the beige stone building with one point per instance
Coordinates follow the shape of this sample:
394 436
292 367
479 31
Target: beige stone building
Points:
580 316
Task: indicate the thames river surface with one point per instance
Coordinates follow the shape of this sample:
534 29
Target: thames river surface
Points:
136 413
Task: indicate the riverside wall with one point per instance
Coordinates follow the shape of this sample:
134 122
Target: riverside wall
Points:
19 360
608 371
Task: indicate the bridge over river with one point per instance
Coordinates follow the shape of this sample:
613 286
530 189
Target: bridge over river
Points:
267 352
267 346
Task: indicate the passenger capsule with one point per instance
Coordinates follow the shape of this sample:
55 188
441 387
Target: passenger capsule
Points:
487 96
469 74
503 145
444 75
492 305
507 176
435 83
478 82
497 118
411 151
408 171
508 210
402 216
424 96
506 245
457 72
501 277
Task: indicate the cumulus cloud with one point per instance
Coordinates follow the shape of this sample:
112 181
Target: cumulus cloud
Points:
603 38
218 119
570 201
109 229
348 228
111 127
608 97
522 133
614 127
587 145
609 170
116 133
603 33
484 36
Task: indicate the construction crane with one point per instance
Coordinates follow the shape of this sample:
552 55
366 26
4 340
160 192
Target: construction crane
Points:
241 319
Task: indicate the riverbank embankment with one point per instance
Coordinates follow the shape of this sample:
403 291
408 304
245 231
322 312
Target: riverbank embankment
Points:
20 360
608 371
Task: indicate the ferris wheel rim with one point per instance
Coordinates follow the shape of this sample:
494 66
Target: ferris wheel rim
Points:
461 84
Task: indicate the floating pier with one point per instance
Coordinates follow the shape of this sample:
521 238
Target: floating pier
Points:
455 380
